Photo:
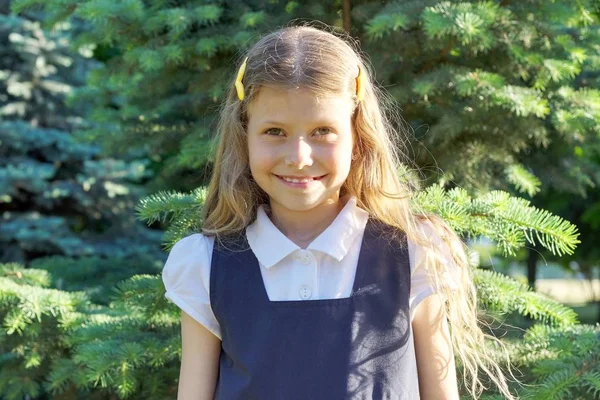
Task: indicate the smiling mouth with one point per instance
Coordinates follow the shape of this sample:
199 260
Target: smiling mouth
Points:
299 179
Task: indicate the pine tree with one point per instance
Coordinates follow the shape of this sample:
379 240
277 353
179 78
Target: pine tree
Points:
60 199
131 348
510 88
67 217
165 67
486 84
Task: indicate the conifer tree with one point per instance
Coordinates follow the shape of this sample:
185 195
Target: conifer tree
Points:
486 84
503 95
163 77
64 206
131 348
67 220
483 85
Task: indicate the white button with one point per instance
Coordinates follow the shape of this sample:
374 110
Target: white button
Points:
305 257
305 292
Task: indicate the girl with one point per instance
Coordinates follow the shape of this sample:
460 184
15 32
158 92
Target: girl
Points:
313 278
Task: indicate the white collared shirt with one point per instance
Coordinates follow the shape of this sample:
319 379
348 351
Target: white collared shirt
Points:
324 270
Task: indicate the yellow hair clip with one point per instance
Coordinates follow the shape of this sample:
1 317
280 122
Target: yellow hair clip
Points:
360 90
239 86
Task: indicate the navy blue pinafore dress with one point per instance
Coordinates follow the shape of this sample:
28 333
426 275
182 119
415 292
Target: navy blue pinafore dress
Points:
360 347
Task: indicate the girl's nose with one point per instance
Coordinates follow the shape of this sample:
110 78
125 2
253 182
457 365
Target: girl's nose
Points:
299 154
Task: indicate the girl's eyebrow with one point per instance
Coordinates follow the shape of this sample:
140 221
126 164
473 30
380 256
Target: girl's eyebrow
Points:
272 122
320 122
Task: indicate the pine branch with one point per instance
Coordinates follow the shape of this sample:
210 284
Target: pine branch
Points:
182 209
562 360
17 274
555 386
523 180
509 221
500 293
592 383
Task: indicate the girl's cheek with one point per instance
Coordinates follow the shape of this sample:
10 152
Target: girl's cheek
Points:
262 157
342 153
263 152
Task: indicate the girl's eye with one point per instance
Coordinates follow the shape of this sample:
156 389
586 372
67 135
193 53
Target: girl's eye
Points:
273 132
322 131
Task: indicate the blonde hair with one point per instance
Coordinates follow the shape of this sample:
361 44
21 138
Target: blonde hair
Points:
327 64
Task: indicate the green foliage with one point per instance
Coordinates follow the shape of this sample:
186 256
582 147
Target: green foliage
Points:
510 221
131 348
481 84
564 362
500 294
389 20
492 89
58 195
47 172
37 73
60 343
32 319
182 211
96 276
523 180
472 25
70 210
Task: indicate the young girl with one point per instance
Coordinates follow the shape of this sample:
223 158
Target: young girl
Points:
313 277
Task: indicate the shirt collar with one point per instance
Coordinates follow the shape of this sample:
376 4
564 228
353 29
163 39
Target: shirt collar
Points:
270 245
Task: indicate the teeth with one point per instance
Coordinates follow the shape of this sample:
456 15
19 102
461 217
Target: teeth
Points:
294 180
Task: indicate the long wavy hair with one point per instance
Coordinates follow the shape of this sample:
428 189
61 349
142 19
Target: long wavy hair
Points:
326 62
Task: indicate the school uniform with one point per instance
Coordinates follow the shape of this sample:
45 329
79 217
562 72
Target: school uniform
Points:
332 321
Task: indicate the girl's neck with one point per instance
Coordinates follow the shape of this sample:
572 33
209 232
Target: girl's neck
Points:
302 227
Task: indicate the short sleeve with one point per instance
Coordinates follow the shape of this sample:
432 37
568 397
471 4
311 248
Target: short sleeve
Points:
421 284
186 277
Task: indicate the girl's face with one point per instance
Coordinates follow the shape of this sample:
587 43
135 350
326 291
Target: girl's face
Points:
300 146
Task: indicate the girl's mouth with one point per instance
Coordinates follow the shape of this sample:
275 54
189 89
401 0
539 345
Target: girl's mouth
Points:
299 181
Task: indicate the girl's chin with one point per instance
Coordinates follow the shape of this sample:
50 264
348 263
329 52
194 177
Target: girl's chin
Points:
301 203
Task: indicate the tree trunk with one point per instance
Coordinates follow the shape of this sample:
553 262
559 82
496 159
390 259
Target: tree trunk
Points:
532 258
346 10
5 7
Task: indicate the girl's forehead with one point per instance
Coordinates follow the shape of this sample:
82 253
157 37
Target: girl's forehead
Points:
298 102
279 92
